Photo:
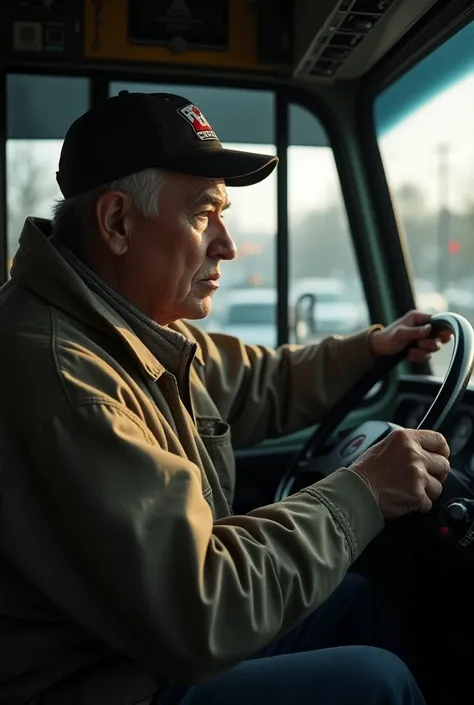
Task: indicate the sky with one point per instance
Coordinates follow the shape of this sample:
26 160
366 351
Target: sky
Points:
410 149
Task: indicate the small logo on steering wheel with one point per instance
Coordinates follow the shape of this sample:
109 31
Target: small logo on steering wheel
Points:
352 446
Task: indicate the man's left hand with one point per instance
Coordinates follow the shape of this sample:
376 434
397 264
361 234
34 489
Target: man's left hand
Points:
413 328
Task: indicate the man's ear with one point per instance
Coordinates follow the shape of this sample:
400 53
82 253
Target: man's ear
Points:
113 212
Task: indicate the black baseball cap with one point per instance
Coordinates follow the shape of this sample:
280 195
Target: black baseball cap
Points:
135 131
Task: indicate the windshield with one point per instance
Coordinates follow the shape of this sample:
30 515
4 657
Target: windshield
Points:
425 126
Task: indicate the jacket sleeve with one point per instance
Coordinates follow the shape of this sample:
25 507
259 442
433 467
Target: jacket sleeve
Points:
135 558
283 390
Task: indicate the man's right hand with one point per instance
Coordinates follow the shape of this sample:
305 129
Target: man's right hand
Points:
405 471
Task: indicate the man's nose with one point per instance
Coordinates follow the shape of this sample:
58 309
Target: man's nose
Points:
222 246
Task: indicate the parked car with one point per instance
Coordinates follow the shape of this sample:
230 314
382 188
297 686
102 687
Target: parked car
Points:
335 308
251 315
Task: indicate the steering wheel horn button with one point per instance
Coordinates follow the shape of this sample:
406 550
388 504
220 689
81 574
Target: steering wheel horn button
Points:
360 440
352 446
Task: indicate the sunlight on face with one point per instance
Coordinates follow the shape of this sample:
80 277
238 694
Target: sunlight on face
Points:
173 259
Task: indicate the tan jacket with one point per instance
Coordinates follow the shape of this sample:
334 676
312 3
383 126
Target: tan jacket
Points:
121 566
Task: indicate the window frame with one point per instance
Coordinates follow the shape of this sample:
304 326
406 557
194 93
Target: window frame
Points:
3 179
284 95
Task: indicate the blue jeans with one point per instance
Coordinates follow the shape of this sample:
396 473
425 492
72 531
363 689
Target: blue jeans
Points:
347 652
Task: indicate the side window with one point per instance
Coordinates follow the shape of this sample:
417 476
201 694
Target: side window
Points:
245 305
39 111
424 124
326 294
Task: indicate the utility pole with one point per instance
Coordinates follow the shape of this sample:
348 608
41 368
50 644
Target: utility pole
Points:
443 214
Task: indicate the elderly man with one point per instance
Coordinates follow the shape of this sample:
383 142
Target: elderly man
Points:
125 578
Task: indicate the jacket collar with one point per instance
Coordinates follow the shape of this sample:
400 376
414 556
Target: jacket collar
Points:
39 267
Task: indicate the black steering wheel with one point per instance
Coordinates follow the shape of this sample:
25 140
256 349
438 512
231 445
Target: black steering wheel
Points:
311 464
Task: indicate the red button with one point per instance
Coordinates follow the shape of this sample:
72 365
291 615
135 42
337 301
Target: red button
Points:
444 531
352 446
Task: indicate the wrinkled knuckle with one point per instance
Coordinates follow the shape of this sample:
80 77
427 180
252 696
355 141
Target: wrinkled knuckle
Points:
398 433
442 441
419 494
402 437
426 505
416 471
427 435
446 466
413 456
419 473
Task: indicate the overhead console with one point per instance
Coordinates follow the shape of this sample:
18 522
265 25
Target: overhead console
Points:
319 41
342 39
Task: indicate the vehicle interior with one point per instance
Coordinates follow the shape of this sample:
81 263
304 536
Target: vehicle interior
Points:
369 105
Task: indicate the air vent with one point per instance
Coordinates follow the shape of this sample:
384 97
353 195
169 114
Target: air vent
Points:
345 40
336 53
324 68
371 6
350 36
359 23
362 23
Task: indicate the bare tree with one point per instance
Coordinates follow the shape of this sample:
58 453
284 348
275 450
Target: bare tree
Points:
30 190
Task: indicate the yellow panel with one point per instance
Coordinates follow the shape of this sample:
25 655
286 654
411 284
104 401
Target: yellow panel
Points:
110 41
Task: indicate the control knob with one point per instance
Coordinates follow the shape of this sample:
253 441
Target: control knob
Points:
457 511
458 522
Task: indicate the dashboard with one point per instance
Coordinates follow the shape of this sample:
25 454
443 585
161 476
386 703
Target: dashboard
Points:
415 395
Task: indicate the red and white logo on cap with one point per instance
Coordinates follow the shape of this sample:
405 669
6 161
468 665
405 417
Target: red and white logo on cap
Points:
198 122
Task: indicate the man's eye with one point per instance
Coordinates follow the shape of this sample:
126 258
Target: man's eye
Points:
206 214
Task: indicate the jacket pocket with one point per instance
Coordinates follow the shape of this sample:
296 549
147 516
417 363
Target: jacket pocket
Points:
216 437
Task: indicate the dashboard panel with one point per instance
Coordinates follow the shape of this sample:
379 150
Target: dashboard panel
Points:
415 395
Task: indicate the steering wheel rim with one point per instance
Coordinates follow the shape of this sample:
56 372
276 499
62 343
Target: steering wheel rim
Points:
442 408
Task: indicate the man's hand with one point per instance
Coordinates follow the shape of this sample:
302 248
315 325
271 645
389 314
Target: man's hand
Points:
405 471
414 327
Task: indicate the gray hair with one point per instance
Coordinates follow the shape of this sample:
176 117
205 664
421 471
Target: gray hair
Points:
73 220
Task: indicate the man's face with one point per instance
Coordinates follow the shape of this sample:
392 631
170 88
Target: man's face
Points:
168 266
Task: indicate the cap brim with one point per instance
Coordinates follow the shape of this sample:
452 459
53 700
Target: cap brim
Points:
236 168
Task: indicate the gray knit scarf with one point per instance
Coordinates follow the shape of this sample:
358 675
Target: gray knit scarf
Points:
172 349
